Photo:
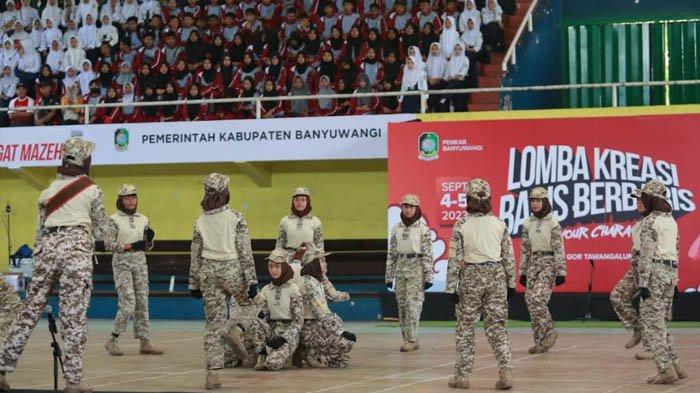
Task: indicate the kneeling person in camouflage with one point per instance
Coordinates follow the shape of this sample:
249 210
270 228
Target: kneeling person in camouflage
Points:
132 237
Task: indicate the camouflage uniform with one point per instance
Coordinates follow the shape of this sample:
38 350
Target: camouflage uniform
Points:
321 335
130 270
410 264
243 313
658 272
311 253
221 266
294 231
9 306
63 254
481 268
542 254
283 308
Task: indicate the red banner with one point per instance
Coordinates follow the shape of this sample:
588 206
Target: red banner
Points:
589 165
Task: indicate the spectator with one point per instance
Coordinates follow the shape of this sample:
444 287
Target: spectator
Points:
455 76
72 114
313 48
8 89
388 104
325 106
148 9
55 58
192 112
400 17
85 8
28 65
491 17
132 35
125 55
130 11
304 71
375 20
435 72
348 73
112 114
145 77
18 33
410 38
392 68
107 32
392 44
50 34
70 31
172 52
329 20
246 109
210 81
248 4
248 70
427 38
343 104
290 24
169 112
194 51
356 46
237 48
47 97
106 57
295 45
149 54
299 108
470 12
227 70
69 79
89 39
374 41
74 55
427 15
105 78
46 77
130 113
92 98
113 10
36 34
85 77
413 79
449 38
450 10
277 72
336 43
349 18
68 16
271 109
8 56
124 77
21 112
328 66
251 24
472 40
148 113
363 105
414 51
187 26
162 79
52 11
216 50
10 15
372 68
183 77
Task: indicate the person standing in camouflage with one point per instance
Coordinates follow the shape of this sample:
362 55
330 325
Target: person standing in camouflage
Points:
480 279
658 275
410 264
323 339
133 236
70 213
283 307
542 267
10 305
221 266
300 226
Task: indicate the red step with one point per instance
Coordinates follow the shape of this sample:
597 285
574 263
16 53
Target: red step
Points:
486 81
493 70
509 34
513 21
483 107
486 98
497 57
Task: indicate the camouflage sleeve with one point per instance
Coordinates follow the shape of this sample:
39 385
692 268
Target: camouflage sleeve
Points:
296 306
39 228
557 244
245 252
314 299
426 249
101 227
507 257
333 294
260 303
114 246
281 237
525 250
195 259
318 237
647 239
455 258
391 258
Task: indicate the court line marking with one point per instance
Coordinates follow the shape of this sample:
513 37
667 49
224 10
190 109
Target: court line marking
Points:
682 385
396 375
148 378
475 369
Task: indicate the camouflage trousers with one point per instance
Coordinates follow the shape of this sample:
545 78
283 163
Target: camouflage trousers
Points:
323 341
255 330
66 258
10 305
220 280
409 299
653 313
482 291
276 358
540 282
131 280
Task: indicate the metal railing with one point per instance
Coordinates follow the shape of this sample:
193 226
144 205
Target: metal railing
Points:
527 21
424 94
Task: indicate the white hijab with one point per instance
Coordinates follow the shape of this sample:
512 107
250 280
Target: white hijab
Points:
55 58
85 77
435 66
466 14
49 35
458 65
448 38
411 77
420 64
488 16
68 81
74 56
473 37
8 56
107 32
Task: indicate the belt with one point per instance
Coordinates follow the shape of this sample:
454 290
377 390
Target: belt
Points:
49 230
281 320
667 262
290 248
547 253
635 253
411 255
484 264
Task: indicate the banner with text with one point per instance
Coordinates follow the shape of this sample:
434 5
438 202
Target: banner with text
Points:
315 138
589 165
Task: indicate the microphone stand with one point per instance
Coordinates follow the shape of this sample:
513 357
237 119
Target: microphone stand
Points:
589 303
57 355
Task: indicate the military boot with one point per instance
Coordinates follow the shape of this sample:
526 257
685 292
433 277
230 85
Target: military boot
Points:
260 365
298 357
643 356
148 349
550 340
536 349
4 385
414 346
458 383
82 387
234 337
634 340
505 379
665 377
406 347
112 346
250 361
212 381
313 362
682 374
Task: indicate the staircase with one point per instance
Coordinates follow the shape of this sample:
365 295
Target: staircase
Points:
490 74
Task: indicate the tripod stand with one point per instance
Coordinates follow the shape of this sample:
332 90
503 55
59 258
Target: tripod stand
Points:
589 305
57 355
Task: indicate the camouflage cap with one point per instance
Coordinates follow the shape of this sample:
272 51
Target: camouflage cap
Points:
216 182
636 194
478 189
539 193
127 189
75 150
301 191
278 255
312 253
656 188
410 199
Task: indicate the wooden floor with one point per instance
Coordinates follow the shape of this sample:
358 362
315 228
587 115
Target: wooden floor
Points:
584 360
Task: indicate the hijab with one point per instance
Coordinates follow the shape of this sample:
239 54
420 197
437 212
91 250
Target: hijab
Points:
313 269
476 206
329 68
458 65
409 221
215 199
300 106
85 77
287 274
411 77
124 77
436 65
193 109
325 103
653 203
417 57
449 38
269 105
546 209
55 58
364 101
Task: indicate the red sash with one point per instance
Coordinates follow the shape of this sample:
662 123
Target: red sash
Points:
67 193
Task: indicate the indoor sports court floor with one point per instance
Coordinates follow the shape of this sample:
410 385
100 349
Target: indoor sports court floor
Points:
584 360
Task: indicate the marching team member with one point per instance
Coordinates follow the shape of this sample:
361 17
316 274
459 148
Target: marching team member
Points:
542 267
132 236
480 279
410 265
221 266
300 225
10 304
244 322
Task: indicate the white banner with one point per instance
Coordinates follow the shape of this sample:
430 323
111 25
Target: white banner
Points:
313 138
